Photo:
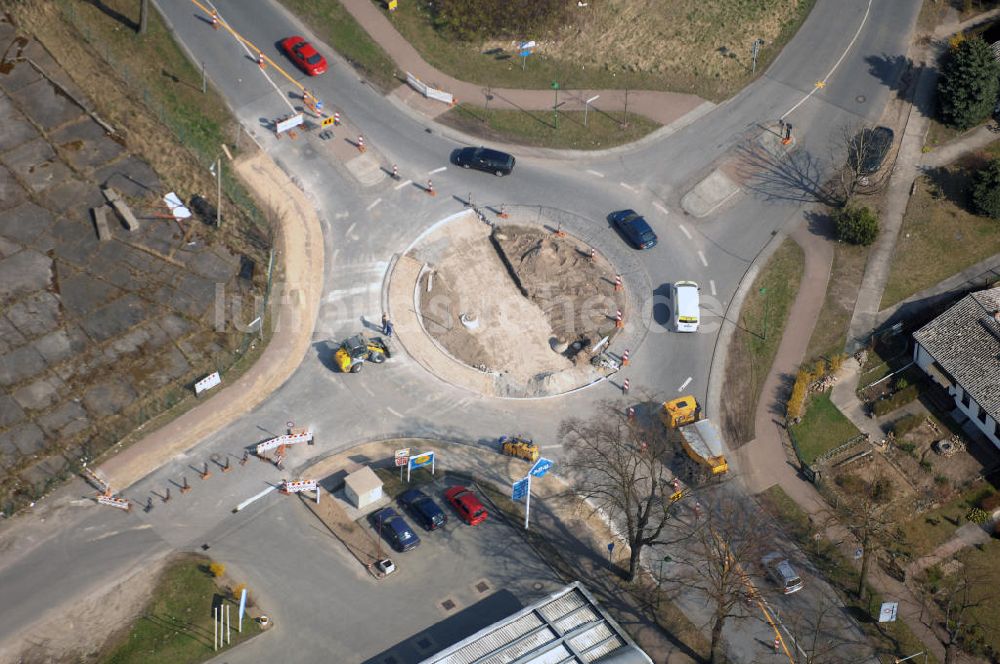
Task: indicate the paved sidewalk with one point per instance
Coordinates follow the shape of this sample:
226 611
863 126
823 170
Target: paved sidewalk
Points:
662 107
844 397
968 535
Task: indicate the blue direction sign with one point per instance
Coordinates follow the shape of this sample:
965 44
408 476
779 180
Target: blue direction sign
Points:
519 489
541 467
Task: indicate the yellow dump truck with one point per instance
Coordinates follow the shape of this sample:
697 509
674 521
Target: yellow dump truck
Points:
520 447
698 437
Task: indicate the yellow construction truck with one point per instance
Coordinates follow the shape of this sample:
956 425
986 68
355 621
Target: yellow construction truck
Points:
520 447
357 350
699 438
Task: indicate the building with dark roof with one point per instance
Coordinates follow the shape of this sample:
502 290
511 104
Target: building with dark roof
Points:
567 627
960 350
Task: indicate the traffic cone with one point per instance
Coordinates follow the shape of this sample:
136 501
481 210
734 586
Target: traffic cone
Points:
503 211
205 474
395 172
777 645
560 232
336 119
618 283
593 255
631 413
260 60
186 487
625 386
226 467
215 19
625 359
619 323
361 144
430 188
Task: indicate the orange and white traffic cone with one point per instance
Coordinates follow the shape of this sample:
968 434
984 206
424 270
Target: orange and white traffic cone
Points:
619 323
625 359
361 144
430 188
593 255
215 19
503 211
260 60
618 283
630 413
395 172
336 119
625 386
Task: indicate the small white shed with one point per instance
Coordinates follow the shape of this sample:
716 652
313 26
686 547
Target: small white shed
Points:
363 487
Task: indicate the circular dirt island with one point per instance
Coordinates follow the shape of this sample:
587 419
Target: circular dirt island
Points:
519 308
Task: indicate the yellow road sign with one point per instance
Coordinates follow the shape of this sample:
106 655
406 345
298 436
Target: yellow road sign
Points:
326 122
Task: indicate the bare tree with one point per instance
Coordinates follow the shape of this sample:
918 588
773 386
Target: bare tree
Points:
859 150
827 636
724 544
865 513
956 596
619 463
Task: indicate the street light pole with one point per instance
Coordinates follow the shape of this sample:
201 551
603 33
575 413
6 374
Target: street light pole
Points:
586 107
555 104
754 50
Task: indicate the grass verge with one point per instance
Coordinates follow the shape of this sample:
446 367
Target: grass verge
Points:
760 327
838 570
539 128
177 624
695 46
984 617
829 337
939 236
823 427
925 532
334 25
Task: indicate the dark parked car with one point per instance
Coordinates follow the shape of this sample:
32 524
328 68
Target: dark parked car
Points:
484 159
634 227
422 508
869 148
395 529
466 504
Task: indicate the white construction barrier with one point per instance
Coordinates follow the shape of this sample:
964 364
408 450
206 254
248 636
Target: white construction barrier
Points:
427 91
208 382
288 439
294 486
282 126
120 503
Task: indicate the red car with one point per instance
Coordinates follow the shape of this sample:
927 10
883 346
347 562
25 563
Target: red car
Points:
304 55
466 504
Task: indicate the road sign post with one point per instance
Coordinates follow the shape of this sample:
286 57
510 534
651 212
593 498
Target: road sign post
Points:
522 489
402 459
586 108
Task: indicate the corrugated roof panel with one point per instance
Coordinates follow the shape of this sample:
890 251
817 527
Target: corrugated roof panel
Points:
559 607
582 616
590 637
554 656
497 639
610 646
522 647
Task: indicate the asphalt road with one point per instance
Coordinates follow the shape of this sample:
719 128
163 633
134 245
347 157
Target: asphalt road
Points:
402 399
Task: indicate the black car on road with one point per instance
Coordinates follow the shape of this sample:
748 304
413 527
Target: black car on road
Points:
395 529
634 228
423 509
485 159
869 148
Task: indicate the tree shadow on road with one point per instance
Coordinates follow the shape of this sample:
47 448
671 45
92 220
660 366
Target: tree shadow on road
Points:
775 175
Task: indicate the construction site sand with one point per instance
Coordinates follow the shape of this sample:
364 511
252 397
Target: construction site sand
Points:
559 294
513 334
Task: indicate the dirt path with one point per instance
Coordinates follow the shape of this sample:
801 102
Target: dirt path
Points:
295 304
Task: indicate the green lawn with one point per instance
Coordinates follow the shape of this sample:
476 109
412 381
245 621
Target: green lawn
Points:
925 532
761 323
696 46
983 569
539 128
176 627
829 337
939 237
334 25
823 427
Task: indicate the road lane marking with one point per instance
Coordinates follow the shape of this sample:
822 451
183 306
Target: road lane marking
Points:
402 184
685 231
351 228
685 384
629 187
254 498
438 170
711 284
661 208
701 255
341 215
393 412
377 201
596 173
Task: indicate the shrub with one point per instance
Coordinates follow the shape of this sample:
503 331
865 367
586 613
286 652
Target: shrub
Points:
941 480
797 400
902 383
968 86
497 18
217 569
836 362
990 503
856 225
977 515
882 490
986 190
819 369
897 400
907 447
906 424
238 591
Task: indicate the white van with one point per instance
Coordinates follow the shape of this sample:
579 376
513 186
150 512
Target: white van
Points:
781 572
687 306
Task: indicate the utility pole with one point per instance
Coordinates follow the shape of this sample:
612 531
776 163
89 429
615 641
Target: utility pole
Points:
625 119
555 104
754 50
218 180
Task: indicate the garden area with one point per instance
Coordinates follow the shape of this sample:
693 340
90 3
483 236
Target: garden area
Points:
821 429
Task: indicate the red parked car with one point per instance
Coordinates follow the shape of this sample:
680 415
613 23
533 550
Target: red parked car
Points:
304 55
466 504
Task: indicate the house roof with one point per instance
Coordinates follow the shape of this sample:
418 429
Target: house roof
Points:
567 627
965 341
363 481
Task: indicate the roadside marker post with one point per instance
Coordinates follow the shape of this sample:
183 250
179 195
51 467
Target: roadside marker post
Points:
625 358
618 283
625 386
619 322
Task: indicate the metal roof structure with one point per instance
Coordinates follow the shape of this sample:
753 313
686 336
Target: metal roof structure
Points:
567 627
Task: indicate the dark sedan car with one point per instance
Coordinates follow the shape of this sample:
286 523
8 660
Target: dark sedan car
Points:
484 159
634 227
304 55
422 508
395 529
869 149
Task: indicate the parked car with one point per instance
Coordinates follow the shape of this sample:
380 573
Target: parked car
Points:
687 306
485 159
634 227
869 149
304 55
422 508
781 572
395 529
466 504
